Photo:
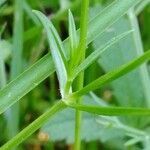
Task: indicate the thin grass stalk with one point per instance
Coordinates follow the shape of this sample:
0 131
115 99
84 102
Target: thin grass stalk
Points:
12 115
80 79
29 130
140 51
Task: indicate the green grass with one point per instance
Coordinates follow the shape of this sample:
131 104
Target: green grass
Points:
26 94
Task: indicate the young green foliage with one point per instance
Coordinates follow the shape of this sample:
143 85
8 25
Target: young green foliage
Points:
73 39
36 73
95 55
112 111
57 50
113 74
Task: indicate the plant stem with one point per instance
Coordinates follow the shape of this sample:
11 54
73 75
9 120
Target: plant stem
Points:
80 79
139 49
12 115
25 133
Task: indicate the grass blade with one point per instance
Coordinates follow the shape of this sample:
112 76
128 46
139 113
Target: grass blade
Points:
139 49
24 83
113 74
72 34
113 111
109 16
57 50
12 115
95 55
25 133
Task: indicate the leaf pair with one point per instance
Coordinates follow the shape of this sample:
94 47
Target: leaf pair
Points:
57 48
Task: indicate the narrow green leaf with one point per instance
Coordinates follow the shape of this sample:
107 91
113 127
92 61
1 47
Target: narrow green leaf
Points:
12 114
25 133
57 50
112 111
24 83
113 75
137 41
95 55
109 16
72 34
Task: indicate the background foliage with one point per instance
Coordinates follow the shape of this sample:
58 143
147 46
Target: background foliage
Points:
23 42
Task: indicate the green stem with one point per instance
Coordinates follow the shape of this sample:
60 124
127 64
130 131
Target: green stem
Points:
25 133
12 115
112 111
80 79
139 49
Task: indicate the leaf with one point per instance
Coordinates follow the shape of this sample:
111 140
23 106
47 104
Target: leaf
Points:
113 75
112 111
27 81
72 34
12 115
137 42
108 16
57 50
95 55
